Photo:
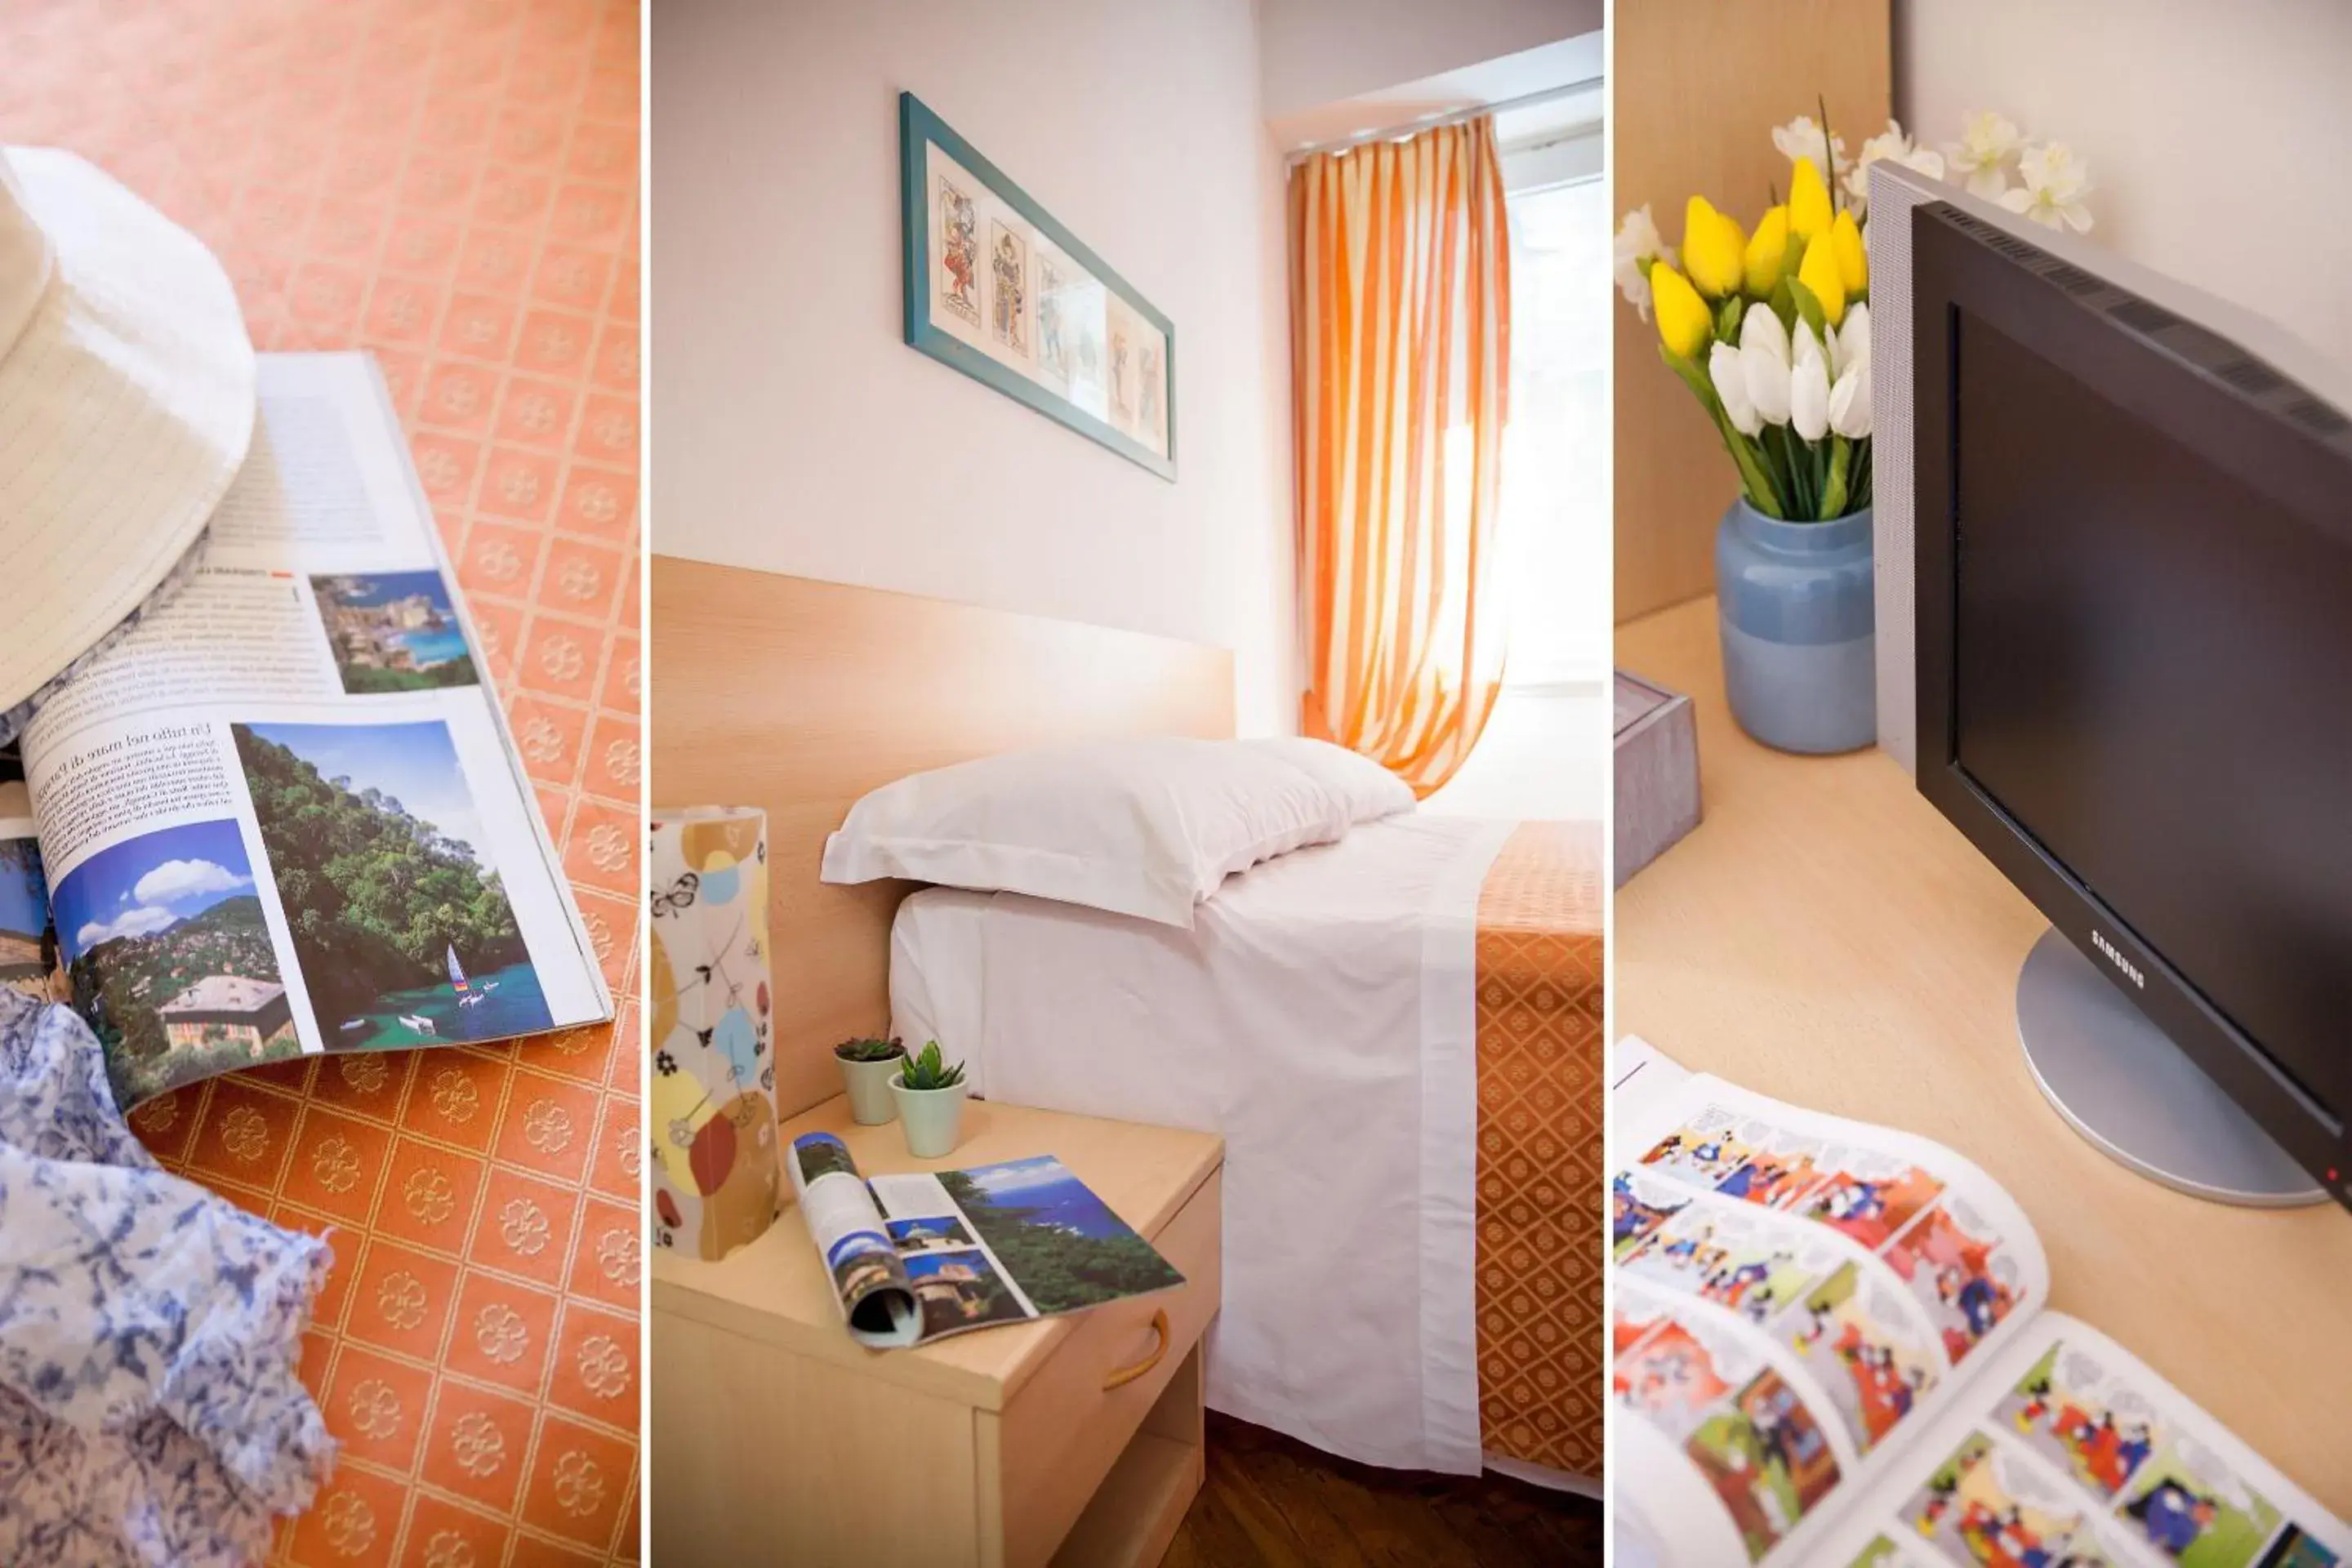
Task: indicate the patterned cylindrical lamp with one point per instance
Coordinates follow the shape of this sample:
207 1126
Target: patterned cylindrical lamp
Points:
712 1089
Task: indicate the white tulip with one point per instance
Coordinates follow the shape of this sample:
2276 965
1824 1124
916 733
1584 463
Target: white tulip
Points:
1850 343
1849 401
1764 364
1804 346
1808 396
1724 367
1760 329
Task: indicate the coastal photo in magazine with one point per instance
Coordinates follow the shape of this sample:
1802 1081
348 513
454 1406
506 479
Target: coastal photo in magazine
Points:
405 931
24 912
283 815
394 631
170 958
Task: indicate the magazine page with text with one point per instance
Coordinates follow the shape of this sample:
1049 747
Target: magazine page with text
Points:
1797 1295
284 814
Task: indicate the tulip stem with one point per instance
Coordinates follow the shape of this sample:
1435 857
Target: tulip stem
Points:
1829 150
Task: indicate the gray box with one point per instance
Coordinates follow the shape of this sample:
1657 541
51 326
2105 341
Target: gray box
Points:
1657 773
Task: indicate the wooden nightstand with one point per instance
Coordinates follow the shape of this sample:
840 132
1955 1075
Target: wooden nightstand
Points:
777 1439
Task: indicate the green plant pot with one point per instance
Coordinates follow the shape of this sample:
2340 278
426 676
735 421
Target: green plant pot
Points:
932 1118
870 1104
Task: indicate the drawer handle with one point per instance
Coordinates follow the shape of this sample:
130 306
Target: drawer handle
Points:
1128 1375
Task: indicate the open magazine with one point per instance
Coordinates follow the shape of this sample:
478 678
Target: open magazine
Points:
284 814
1832 1343
916 1258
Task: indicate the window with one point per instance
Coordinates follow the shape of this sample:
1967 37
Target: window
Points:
1555 516
1543 755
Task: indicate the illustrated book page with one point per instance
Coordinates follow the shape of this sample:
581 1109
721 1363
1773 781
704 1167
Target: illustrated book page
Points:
1796 1295
920 1256
2065 1448
284 814
1831 1341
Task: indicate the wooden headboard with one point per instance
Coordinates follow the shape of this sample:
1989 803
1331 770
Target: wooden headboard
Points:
799 697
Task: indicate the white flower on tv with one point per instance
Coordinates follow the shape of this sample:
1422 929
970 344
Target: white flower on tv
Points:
1801 138
2055 181
1891 145
1638 241
1981 157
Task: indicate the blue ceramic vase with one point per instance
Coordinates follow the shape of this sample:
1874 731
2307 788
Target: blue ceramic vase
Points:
1797 618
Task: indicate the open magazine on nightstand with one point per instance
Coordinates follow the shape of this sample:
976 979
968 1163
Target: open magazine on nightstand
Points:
283 815
1831 1345
918 1255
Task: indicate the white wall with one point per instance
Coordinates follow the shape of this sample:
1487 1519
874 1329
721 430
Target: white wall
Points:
793 431
2217 134
1318 52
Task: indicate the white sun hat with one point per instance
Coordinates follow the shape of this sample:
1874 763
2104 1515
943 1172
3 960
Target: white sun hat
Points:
126 408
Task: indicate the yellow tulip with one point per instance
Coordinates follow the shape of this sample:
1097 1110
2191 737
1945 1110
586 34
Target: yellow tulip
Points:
1685 323
1809 201
1711 248
1734 249
1768 251
1818 272
1853 264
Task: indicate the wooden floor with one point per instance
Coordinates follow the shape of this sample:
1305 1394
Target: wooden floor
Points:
1271 1502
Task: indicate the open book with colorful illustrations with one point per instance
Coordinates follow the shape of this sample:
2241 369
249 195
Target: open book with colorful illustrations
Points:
916 1256
284 815
1832 1342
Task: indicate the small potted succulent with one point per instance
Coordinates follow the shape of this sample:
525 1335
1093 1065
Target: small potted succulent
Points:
867 1066
930 1101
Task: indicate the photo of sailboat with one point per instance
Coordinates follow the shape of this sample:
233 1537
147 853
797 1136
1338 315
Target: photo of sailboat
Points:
470 993
400 922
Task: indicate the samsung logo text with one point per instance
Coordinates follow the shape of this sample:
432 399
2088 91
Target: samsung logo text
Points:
2120 962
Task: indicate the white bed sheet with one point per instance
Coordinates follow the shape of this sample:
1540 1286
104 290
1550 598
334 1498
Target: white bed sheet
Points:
1321 1017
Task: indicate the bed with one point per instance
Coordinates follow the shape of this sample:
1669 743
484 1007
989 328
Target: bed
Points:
1398 1036
1435 985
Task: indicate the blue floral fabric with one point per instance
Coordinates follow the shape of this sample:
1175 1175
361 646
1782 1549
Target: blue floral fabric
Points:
150 1411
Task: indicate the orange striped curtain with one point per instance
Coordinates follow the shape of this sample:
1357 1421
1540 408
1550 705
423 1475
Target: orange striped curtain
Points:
1400 296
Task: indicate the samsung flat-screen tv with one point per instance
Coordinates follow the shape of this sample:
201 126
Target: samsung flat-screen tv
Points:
2133 629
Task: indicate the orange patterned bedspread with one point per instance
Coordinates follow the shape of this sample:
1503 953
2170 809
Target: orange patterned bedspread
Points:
1539 1156
451 184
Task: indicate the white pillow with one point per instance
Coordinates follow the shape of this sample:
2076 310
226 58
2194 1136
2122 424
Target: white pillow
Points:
1369 790
1146 828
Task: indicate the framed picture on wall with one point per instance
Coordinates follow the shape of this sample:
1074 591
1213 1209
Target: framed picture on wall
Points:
999 289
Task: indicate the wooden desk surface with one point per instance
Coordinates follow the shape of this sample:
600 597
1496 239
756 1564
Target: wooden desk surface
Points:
776 1288
1825 937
